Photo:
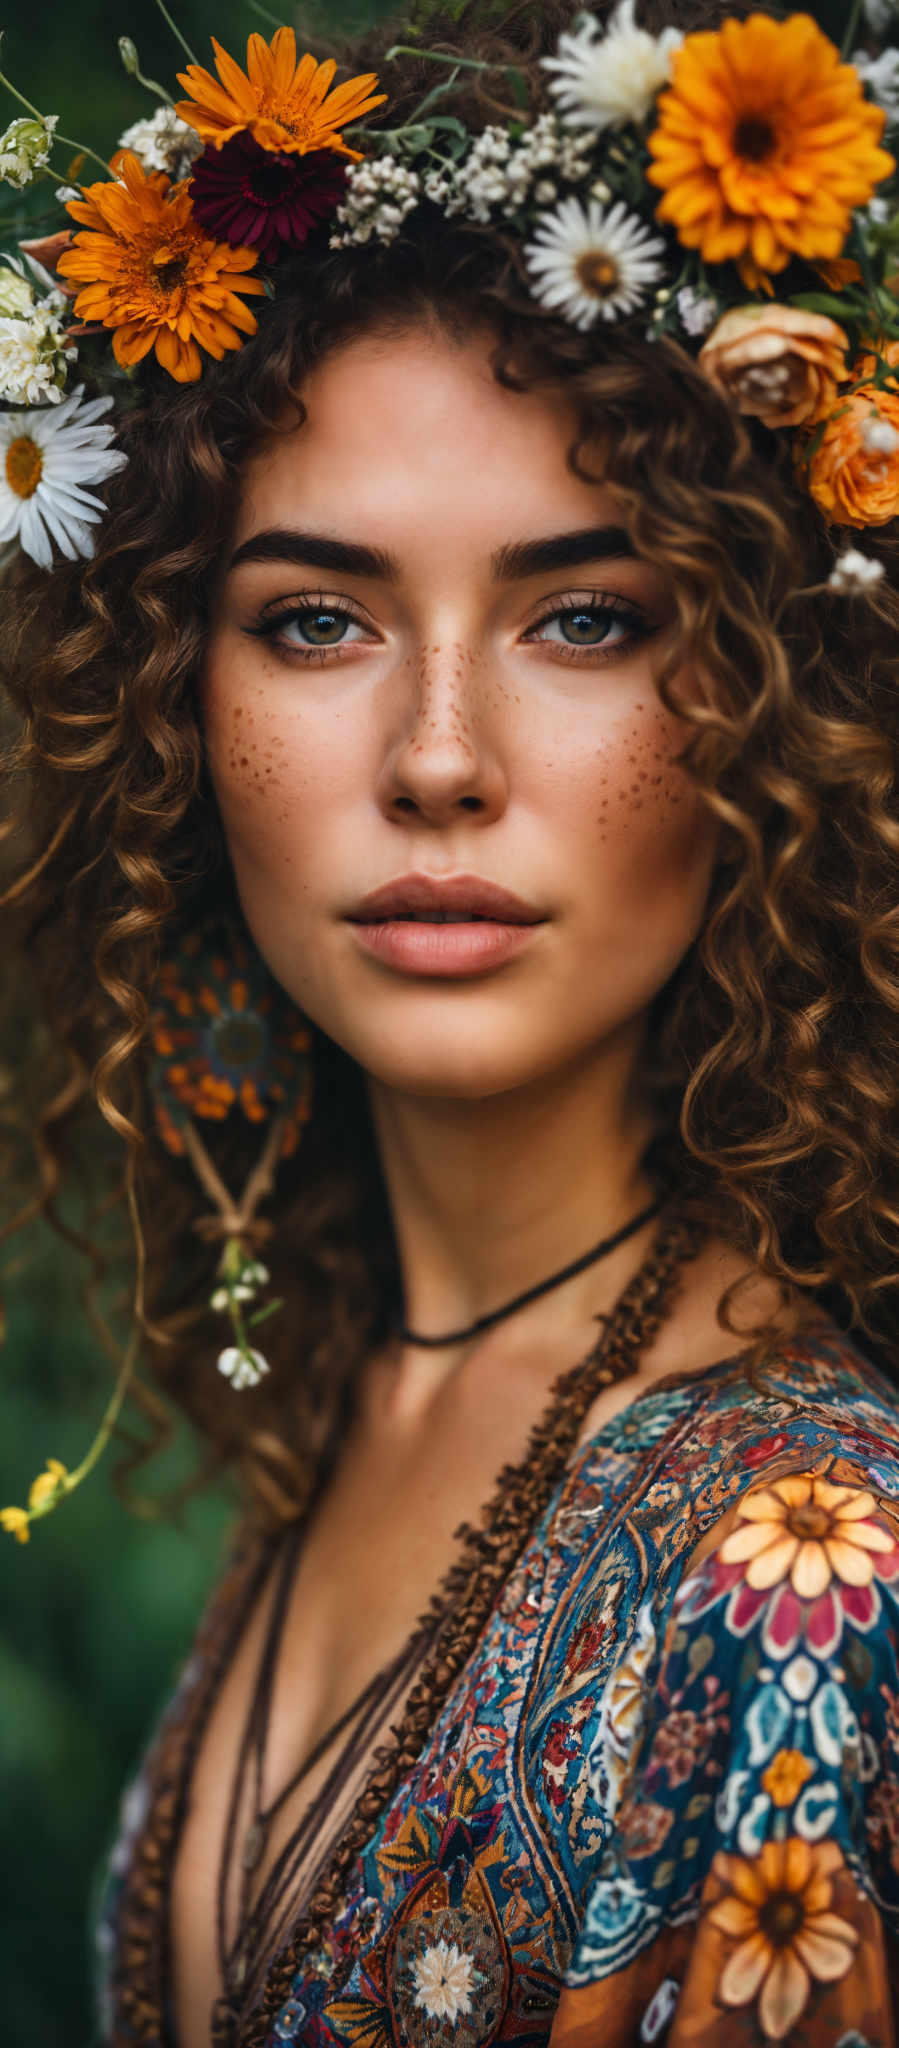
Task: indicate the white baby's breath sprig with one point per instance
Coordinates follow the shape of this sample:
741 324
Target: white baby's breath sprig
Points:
241 1276
698 311
853 572
608 77
505 173
380 192
881 76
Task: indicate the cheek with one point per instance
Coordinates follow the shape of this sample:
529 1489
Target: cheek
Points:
644 828
258 768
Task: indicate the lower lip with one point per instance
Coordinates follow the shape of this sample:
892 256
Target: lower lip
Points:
443 949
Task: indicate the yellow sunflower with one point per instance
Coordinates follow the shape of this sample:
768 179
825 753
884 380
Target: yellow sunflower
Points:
765 144
283 104
147 271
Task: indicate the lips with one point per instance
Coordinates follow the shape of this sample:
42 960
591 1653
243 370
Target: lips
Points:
455 897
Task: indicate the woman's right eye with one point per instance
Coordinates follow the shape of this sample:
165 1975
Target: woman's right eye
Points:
308 631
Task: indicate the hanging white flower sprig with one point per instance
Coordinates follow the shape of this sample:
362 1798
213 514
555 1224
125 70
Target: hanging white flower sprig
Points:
241 1276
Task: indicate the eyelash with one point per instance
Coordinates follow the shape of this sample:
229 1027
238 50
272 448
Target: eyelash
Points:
616 611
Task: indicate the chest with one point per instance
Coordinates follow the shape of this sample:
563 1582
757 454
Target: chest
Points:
379 1545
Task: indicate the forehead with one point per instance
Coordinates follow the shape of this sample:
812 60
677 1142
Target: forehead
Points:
411 427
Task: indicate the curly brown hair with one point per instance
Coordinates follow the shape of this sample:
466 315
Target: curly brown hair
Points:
773 1050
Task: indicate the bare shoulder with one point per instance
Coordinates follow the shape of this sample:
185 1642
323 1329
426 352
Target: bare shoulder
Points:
691 1337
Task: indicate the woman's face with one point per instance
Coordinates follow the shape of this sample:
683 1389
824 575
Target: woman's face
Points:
432 656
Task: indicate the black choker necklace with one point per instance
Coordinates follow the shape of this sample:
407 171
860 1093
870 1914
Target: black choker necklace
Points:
530 1294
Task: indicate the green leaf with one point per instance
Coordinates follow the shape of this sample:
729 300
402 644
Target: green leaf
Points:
519 88
826 302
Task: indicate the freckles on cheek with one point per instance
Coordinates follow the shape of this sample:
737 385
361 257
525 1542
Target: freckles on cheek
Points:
249 762
641 791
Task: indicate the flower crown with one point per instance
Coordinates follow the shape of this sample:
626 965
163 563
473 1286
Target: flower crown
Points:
754 148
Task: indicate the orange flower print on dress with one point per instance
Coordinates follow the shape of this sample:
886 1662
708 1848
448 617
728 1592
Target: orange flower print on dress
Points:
808 1531
282 103
765 145
777 1909
797 1534
146 269
785 1776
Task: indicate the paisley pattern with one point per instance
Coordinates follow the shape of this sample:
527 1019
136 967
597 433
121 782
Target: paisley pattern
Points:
662 1803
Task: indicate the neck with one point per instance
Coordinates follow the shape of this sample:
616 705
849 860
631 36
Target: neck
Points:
490 1195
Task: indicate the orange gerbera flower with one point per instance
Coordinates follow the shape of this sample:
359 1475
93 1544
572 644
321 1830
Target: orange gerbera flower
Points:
765 144
148 272
283 104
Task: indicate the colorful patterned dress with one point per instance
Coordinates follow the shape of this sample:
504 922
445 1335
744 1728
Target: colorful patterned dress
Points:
662 1803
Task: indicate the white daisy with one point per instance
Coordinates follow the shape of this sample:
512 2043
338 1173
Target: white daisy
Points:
607 78
593 264
443 1981
47 456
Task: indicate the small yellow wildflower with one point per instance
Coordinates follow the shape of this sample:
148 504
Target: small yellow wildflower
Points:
47 1484
16 1521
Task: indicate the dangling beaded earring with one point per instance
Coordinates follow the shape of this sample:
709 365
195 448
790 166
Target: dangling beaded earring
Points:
225 1039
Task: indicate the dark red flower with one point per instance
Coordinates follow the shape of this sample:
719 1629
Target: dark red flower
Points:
264 199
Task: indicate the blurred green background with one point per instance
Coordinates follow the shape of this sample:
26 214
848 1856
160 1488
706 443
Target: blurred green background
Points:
98 1610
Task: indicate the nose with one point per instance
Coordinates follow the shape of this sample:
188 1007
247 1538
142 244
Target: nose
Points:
445 757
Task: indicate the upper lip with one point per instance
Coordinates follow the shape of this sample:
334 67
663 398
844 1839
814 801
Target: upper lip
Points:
452 892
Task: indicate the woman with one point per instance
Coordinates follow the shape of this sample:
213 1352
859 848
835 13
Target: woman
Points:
464 656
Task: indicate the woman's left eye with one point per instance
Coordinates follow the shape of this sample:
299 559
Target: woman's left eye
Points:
585 628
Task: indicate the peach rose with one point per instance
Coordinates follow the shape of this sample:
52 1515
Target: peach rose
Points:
777 362
854 472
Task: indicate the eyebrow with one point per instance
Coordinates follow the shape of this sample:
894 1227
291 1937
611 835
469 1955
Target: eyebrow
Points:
508 564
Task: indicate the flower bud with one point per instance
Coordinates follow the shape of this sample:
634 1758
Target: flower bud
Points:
25 148
16 295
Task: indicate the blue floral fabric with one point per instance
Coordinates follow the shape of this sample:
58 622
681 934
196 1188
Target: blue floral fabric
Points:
662 1802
